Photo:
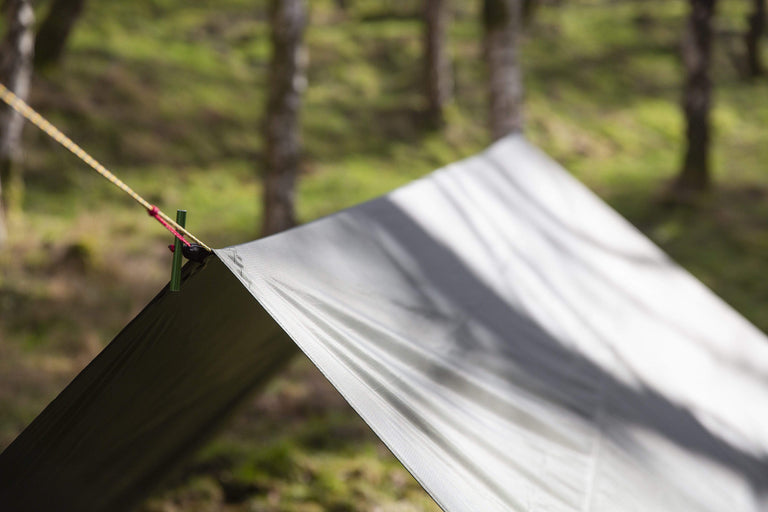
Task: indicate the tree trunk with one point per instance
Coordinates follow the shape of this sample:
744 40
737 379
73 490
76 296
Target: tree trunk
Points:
16 53
756 22
55 29
529 9
697 54
437 65
287 81
502 22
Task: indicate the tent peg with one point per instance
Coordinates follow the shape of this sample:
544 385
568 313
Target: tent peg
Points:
181 220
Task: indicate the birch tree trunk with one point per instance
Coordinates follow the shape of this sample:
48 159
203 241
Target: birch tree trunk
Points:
502 23
287 81
437 65
16 52
756 24
697 55
55 30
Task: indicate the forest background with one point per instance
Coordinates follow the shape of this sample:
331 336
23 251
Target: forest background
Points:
173 95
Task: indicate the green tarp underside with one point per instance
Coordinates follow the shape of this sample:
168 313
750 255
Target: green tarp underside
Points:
153 395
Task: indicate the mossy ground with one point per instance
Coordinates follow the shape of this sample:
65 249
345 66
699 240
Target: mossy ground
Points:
170 95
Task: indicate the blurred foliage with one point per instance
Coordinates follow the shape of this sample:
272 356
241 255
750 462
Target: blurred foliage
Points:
170 95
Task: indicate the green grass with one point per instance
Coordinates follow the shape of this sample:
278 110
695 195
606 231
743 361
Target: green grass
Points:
170 95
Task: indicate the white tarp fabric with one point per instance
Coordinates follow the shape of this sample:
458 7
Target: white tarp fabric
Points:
520 346
516 343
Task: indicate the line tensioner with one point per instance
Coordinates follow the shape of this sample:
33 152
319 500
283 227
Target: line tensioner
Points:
33 117
195 251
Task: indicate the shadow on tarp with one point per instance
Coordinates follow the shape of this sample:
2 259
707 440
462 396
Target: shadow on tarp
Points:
549 366
149 399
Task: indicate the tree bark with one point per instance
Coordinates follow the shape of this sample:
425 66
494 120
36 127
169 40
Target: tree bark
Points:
529 10
16 53
55 30
697 92
287 81
502 23
756 23
437 65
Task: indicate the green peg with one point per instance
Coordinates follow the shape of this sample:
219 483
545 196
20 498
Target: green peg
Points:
181 219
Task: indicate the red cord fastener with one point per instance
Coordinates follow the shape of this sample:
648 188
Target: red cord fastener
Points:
154 212
33 117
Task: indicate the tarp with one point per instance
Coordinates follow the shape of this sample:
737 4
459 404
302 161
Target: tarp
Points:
150 397
514 341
